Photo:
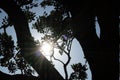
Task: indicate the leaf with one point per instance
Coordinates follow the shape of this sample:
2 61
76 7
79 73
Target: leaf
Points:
61 52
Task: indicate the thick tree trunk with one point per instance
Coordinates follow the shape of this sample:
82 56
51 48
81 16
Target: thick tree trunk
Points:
43 67
19 20
101 53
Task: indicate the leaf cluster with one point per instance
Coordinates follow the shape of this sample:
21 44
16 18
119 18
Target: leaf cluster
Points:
79 71
26 6
45 3
10 56
6 48
56 23
29 15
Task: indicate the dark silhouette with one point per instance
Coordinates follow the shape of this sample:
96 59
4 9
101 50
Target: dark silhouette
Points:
26 43
79 72
101 53
4 76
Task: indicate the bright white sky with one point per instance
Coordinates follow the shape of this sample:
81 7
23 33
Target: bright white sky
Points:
76 51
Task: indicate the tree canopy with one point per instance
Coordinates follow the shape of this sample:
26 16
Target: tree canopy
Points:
65 22
12 56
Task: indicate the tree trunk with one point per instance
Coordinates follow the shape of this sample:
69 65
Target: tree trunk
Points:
19 20
43 67
101 53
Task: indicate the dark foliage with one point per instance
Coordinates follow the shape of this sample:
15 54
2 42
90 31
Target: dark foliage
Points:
79 72
6 49
9 58
59 22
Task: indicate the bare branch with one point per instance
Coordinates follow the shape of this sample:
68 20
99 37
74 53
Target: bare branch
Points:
58 60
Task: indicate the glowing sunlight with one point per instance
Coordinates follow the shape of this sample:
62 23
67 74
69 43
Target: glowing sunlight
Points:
46 48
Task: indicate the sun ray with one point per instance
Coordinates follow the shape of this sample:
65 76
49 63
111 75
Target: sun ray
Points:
46 48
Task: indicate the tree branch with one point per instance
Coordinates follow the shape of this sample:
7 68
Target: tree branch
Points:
58 60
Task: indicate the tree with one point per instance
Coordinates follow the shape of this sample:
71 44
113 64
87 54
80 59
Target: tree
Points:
62 39
20 62
11 60
83 28
101 53
15 14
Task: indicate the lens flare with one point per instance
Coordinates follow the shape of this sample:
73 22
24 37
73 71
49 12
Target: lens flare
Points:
46 48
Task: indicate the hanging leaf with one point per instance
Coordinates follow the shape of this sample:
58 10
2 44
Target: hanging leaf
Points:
79 71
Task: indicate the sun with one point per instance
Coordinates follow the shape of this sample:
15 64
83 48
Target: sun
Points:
46 48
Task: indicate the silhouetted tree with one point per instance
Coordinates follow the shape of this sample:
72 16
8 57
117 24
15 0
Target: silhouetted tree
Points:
9 58
101 53
26 43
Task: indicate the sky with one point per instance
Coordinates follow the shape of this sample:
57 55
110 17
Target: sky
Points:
76 50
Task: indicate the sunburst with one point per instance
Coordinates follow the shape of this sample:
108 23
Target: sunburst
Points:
46 48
